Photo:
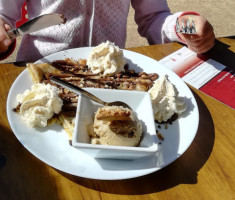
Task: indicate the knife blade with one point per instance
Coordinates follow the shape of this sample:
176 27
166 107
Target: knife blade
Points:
36 24
19 63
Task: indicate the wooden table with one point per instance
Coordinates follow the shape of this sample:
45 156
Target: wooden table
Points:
205 171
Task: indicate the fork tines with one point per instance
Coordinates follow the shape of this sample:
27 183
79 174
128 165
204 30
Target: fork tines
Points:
188 28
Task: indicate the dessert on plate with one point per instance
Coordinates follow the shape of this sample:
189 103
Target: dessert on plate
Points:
77 72
105 67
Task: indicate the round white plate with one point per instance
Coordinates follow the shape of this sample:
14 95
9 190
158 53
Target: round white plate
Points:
51 144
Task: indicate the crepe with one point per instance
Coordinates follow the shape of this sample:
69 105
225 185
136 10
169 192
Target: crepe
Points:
76 72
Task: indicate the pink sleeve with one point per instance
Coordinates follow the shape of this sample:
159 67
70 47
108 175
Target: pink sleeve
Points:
155 21
10 10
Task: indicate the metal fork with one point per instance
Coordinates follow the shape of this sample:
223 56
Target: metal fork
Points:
188 28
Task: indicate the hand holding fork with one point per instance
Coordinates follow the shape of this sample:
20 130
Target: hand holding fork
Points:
196 32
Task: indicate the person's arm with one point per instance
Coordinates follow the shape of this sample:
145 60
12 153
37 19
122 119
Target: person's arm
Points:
155 21
157 24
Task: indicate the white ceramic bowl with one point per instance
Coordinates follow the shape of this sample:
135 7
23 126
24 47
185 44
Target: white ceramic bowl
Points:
139 102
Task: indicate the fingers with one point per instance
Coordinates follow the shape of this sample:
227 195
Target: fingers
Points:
5 41
200 44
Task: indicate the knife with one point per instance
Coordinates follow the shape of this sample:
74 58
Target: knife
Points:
36 24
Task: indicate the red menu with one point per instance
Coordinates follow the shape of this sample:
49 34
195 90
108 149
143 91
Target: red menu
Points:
203 73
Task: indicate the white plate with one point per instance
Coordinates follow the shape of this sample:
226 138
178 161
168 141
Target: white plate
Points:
51 144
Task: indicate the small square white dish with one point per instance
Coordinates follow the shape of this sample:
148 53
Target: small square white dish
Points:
140 103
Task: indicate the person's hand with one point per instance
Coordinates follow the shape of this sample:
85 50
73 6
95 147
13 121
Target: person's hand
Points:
5 41
204 40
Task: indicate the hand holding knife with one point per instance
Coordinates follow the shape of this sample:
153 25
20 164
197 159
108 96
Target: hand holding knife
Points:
37 23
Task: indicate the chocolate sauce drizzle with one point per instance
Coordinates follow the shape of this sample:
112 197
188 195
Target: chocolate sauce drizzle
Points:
78 73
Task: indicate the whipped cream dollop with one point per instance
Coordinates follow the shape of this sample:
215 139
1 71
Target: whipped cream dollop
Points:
165 100
39 104
106 59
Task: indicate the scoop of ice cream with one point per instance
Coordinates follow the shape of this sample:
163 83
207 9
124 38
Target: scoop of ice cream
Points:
116 125
106 59
165 100
39 104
